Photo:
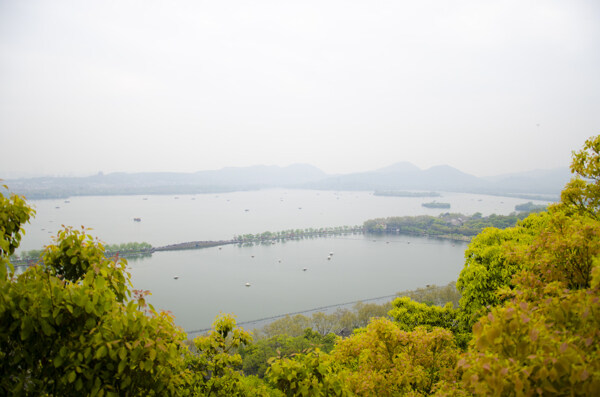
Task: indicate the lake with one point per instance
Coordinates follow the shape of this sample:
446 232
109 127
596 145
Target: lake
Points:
212 280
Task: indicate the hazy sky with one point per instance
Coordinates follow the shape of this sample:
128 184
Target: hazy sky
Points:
485 86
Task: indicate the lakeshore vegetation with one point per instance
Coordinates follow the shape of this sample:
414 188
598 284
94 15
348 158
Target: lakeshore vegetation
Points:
527 322
435 204
451 226
446 225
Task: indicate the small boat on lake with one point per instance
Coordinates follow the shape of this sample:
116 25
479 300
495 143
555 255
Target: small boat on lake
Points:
247 284
137 219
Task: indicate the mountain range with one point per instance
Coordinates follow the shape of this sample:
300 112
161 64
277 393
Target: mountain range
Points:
396 177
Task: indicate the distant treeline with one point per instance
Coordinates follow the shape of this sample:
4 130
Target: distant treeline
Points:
530 207
64 193
291 334
453 226
128 247
296 234
435 204
123 249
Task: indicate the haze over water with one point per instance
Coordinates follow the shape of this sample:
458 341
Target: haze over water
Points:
171 219
213 280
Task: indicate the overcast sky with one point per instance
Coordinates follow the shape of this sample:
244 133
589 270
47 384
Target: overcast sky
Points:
488 87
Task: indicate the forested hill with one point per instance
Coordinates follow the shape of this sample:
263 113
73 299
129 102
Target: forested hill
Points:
400 176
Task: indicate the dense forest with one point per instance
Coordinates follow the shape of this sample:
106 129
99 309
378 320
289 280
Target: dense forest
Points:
527 322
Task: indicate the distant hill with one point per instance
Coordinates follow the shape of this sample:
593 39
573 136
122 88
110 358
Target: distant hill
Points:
223 180
406 176
540 181
401 176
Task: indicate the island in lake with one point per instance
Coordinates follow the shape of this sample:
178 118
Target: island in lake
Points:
435 204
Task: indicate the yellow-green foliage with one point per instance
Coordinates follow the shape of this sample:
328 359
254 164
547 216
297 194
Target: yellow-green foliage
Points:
546 347
311 374
216 364
565 249
386 361
409 314
490 264
582 193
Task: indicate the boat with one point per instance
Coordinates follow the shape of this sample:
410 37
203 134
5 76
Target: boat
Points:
305 269
247 284
137 219
176 277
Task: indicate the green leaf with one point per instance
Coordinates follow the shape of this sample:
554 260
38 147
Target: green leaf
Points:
26 328
101 352
47 328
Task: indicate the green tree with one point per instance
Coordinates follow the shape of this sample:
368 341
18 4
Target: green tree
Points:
547 346
288 325
69 331
490 264
542 338
383 360
312 374
256 355
216 363
14 213
582 193
367 311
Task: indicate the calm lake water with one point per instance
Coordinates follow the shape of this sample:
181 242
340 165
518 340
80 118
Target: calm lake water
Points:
213 280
